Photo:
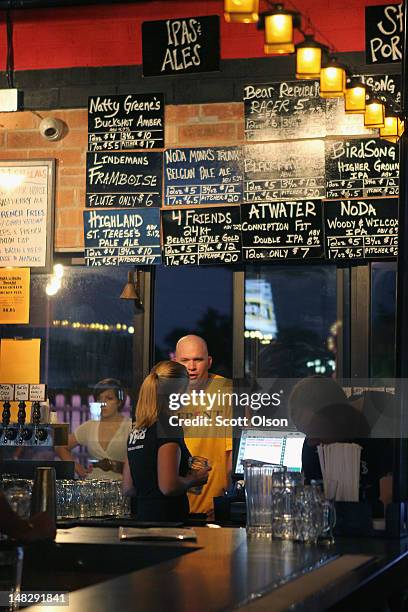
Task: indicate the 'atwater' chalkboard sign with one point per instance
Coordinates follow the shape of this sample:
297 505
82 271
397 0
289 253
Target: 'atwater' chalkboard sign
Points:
202 236
361 229
178 46
205 175
384 27
282 230
361 168
292 170
114 237
132 121
124 180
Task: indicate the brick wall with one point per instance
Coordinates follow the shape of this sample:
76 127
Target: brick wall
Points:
186 125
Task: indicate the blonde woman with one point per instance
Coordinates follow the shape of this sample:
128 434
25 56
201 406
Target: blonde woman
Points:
156 470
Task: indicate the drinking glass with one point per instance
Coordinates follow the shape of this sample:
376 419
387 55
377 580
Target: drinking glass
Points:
197 463
284 485
19 499
11 569
308 514
258 495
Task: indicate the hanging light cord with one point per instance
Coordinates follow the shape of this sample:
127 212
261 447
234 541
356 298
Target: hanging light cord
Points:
10 49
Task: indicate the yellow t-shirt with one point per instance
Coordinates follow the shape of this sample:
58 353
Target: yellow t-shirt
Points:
213 442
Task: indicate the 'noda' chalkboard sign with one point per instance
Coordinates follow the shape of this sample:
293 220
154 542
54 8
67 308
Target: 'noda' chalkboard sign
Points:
282 230
361 229
383 30
178 46
202 235
132 121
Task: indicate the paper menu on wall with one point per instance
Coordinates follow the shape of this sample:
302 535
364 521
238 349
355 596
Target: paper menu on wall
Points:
14 295
20 361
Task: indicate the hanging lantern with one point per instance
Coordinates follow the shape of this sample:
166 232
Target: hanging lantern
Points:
241 11
374 115
309 58
390 127
332 79
278 25
355 96
401 128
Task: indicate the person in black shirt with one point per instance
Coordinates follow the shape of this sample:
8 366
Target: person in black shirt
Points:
156 470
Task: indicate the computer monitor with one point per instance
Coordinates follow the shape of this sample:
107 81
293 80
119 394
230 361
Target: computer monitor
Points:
278 447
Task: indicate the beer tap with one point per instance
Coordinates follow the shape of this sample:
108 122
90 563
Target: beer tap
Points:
21 419
40 434
9 432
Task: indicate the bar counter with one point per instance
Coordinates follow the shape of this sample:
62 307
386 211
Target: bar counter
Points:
220 571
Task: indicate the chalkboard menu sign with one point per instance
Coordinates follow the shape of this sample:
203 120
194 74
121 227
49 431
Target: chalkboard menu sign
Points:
114 237
361 229
361 168
132 121
179 46
282 230
288 109
383 31
385 86
124 180
202 235
205 175
291 170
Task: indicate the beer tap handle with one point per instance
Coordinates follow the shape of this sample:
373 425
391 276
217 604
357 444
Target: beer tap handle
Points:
6 416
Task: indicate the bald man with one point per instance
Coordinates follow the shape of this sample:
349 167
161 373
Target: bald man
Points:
214 443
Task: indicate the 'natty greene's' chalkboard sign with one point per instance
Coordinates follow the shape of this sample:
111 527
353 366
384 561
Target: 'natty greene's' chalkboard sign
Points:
132 121
361 229
114 237
361 168
292 170
282 230
383 32
202 236
118 179
179 46
205 175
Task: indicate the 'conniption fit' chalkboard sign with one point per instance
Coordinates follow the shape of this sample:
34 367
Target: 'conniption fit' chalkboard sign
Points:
114 237
292 170
124 180
361 229
383 28
282 230
361 168
178 46
202 235
205 175
132 121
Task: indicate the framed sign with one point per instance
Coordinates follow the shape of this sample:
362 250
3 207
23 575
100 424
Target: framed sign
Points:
383 31
27 191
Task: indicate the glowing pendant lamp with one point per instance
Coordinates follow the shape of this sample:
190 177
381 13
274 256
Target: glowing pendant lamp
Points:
241 11
309 58
390 128
374 116
278 25
355 97
332 79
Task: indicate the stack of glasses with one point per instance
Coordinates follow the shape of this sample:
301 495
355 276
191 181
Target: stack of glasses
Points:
90 498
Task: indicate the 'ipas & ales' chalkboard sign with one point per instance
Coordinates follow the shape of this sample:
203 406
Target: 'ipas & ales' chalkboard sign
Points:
361 168
202 235
361 229
133 121
178 46
124 180
384 33
114 237
205 175
292 170
282 230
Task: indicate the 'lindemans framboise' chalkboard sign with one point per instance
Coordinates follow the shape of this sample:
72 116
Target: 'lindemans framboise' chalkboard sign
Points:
361 229
119 179
383 28
178 46
131 121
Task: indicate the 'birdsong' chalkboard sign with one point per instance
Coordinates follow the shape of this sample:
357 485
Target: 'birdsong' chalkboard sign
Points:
383 32
205 175
202 235
361 168
178 46
132 121
292 170
118 179
282 230
361 229
114 237
386 87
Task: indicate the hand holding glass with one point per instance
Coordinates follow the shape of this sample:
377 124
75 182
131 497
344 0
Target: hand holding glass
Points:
201 466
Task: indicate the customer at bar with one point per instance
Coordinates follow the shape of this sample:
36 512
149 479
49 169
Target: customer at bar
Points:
105 439
39 527
156 471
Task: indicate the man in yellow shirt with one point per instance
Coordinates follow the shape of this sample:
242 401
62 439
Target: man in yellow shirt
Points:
211 441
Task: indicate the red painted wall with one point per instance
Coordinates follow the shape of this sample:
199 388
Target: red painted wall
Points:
110 35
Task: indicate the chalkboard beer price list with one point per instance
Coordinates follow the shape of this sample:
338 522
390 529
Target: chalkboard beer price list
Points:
361 229
132 121
199 236
205 175
124 179
361 168
115 237
282 230
292 170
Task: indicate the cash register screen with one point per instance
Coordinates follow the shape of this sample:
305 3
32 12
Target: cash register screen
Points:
279 447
